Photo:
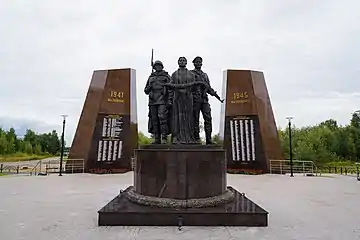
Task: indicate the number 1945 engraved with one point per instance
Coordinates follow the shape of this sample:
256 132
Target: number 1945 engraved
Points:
240 97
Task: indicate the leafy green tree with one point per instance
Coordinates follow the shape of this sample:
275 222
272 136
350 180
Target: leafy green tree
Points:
31 137
37 149
32 143
216 139
54 143
355 120
3 142
143 140
28 147
13 140
11 147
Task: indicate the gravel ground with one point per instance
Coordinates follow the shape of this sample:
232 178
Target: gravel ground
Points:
53 207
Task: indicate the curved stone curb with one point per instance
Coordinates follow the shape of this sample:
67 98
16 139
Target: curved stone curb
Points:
130 194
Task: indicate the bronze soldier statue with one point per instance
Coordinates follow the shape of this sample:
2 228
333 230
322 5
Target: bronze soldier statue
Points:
201 101
158 98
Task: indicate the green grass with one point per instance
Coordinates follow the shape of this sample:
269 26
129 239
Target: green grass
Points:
341 164
350 167
22 157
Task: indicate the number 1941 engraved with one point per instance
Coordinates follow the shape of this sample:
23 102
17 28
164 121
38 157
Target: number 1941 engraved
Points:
116 97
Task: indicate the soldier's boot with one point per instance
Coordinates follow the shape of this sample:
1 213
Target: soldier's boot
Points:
163 130
208 138
163 139
157 139
197 134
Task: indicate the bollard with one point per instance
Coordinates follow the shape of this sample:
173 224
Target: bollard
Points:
357 173
329 169
341 170
335 169
1 168
345 171
17 169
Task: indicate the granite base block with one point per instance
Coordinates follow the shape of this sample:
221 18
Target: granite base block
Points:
239 212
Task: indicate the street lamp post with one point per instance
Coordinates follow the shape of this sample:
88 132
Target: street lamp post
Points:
62 144
290 148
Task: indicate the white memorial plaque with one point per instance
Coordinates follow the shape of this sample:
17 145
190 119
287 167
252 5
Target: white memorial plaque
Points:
247 139
100 150
116 149
104 150
233 148
120 149
110 150
252 136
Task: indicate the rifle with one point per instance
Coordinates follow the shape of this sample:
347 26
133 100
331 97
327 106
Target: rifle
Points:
212 92
152 60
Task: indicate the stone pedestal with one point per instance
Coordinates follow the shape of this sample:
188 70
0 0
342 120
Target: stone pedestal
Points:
181 185
180 172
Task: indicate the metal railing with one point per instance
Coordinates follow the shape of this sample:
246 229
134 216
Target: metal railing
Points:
349 170
43 167
36 169
74 166
20 167
299 166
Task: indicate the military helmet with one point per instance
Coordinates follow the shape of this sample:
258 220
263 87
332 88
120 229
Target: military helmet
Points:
157 62
196 58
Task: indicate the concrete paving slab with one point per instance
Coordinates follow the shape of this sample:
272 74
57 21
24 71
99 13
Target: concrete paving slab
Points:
53 207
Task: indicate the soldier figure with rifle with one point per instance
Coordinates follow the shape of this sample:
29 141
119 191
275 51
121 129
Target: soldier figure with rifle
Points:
201 101
158 95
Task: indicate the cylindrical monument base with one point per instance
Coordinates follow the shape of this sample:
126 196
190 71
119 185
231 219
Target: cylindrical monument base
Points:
180 171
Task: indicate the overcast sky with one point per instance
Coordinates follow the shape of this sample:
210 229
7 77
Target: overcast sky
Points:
308 50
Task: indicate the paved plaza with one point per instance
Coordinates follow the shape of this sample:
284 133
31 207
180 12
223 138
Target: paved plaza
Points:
53 207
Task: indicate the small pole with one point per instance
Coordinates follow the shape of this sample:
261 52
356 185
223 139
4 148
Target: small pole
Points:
62 144
290 148
303 168
180 223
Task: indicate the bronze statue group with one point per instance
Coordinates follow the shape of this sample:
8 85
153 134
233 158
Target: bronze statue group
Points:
175 103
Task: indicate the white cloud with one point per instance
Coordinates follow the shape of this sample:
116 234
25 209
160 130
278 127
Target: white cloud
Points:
50 48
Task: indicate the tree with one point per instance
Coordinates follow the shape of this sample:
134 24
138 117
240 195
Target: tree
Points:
32 142
3 142
37 149
31 137
354 131
216 139
12 138
143 140
28 147
331 124
54 143
355 120
11 147
324 142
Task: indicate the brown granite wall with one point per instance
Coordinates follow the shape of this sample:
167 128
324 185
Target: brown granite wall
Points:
248 125
106 135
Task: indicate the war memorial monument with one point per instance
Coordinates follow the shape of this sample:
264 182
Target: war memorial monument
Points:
177 179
